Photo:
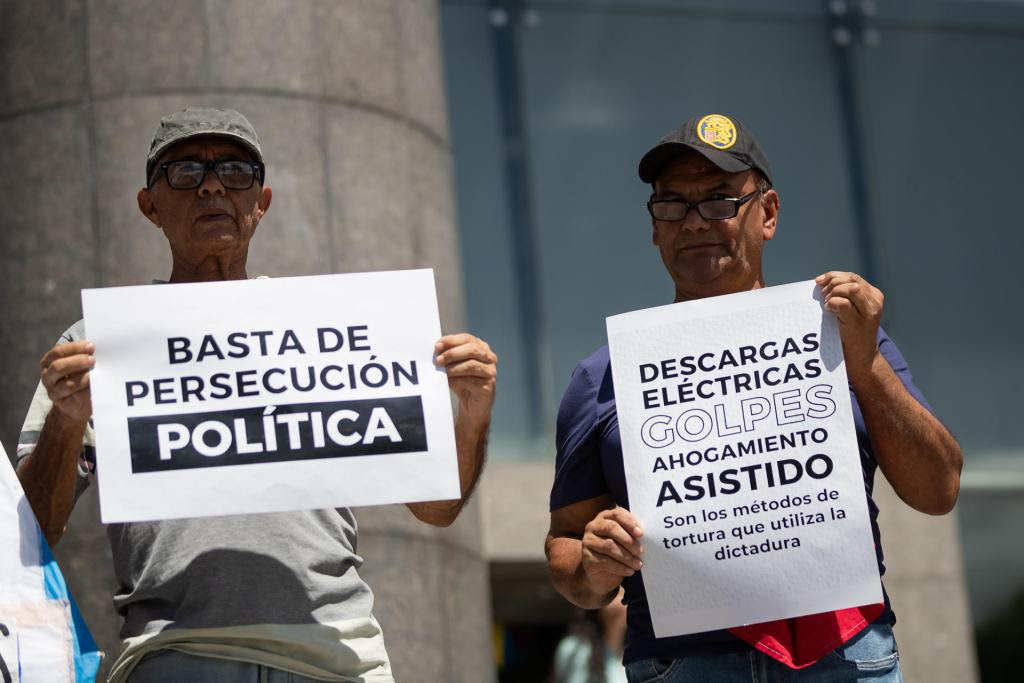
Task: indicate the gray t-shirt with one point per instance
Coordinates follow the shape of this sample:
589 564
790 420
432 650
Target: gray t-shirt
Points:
275 568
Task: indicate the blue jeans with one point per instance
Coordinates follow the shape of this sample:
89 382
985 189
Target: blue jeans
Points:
168 666
870 656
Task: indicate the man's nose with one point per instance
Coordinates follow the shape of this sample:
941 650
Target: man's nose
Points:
693 221
211 185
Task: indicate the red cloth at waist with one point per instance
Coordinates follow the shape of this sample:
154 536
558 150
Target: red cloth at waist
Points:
801 641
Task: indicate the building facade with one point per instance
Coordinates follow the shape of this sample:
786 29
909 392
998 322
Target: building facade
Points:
888 124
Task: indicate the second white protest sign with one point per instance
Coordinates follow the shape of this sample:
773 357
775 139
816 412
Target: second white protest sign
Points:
741 460
270 394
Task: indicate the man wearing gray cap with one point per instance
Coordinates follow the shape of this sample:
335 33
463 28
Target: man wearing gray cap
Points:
269 597
712 210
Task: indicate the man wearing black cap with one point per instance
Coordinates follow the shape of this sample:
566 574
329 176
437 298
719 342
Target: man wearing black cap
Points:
269 597
712 210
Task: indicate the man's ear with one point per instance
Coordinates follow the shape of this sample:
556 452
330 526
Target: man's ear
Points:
264 202
770 206
147 207
654 224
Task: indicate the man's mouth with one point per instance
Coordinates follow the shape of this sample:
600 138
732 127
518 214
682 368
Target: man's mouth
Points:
214 217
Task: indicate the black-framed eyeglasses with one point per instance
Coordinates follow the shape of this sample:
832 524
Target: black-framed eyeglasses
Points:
709 209
189 174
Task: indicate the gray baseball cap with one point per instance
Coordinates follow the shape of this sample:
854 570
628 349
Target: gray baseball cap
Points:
197 122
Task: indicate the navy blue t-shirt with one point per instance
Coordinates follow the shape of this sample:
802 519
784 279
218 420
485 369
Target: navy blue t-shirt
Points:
589 464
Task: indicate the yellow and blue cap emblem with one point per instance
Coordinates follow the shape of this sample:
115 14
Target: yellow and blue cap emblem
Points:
717 131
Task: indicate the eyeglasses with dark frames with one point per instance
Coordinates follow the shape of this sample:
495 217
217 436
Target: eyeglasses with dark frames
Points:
674 210
189 174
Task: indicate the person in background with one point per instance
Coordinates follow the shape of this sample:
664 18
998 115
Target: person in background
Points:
713 210
270 597
591 651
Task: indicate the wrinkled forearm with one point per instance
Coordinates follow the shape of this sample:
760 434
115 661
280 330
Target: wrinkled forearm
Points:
48 474
565 565
917 454
471 446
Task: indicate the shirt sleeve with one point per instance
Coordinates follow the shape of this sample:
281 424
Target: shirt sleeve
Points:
578 471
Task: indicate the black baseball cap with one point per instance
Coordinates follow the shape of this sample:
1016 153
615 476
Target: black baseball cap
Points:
722 140
197 122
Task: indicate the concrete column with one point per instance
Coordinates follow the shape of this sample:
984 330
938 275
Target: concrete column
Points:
925 580
348 99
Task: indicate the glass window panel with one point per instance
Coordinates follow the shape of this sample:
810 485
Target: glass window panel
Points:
485 232
945 145
604 81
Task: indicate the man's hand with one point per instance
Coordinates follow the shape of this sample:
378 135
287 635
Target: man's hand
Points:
64 372
48 474
472 374
612 549
858 306
591 547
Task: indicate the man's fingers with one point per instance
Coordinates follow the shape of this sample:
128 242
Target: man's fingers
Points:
610 528
479 352
610 546
837 276
466 352
626 520
595 563
65 366
452 340
608 549
64 369
618 526
841 307
471 368
64 350
846 289
68 386
834 281
866 301
851 292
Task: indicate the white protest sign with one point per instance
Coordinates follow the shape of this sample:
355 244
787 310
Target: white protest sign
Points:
268 395
741 460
